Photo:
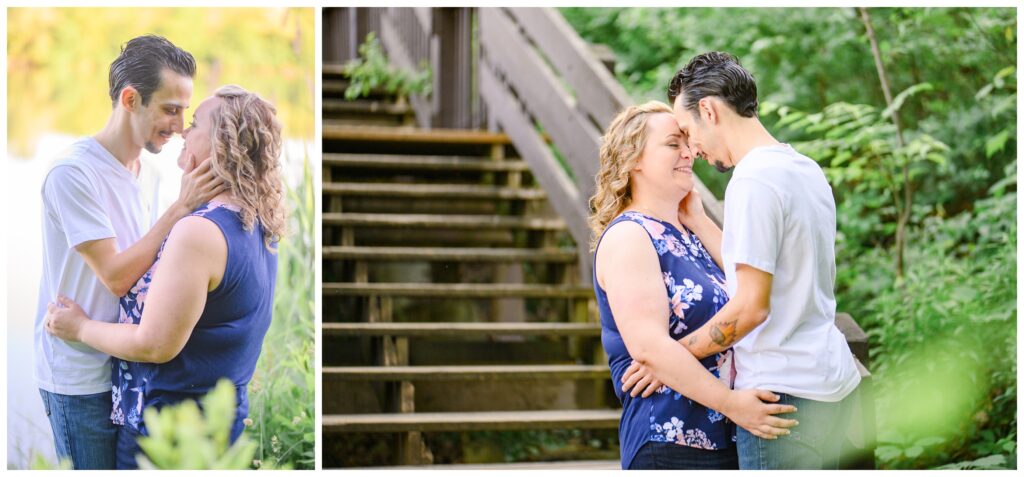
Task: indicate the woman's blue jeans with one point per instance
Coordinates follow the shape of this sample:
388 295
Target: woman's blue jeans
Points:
668 455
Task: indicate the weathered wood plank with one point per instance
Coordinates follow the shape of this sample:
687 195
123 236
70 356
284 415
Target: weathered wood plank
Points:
457 290
465 373
447 191
449 254
338 106
336 69
855 337
597 91
442 221
563 194
559 465
426 163
334 131
471 421
465 330
541 93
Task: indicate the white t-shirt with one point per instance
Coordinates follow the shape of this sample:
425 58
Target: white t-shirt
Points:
780 217
87 195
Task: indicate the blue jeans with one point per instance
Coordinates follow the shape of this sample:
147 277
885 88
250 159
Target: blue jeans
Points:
666 456
82 431
813 444
127 448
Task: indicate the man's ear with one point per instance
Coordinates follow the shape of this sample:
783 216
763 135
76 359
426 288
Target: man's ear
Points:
708 109
129 98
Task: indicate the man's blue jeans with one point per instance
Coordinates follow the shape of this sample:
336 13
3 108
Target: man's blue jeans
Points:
813 444
82 431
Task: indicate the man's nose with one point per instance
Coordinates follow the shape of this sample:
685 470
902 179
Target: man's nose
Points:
178 124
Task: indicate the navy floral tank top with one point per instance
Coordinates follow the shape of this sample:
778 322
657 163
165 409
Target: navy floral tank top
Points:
226 341
695 290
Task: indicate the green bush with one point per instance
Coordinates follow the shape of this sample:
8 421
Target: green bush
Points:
372 72
183 437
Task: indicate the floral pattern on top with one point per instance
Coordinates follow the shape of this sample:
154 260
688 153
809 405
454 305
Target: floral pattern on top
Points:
695 288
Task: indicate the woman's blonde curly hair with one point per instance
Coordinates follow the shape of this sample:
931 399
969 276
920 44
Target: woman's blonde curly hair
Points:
246 147
621 147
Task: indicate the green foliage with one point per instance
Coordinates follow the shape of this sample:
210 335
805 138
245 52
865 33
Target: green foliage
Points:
857 146
944 341
183 437
41 463
283 386
372 73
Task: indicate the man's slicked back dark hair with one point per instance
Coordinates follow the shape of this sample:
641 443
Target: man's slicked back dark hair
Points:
141 62
715 74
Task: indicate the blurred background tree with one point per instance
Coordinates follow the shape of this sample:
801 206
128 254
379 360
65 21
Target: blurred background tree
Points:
942 326
57 60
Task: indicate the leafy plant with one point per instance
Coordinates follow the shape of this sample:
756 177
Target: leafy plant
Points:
183 437
372 72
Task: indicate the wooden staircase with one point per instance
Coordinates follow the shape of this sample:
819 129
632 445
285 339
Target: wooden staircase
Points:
452 299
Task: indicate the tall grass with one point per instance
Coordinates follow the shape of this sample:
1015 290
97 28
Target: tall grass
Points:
282 388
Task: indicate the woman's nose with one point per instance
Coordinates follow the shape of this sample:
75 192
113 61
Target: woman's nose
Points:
685 152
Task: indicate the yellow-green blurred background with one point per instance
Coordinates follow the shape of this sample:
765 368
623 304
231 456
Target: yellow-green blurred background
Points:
57 66
57 60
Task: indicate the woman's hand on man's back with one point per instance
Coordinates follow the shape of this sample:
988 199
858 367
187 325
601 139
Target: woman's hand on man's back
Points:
750 409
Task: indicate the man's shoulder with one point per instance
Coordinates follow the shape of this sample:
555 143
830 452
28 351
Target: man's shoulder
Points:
77 156
778 167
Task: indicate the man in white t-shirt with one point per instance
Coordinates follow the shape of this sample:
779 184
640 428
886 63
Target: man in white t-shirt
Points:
778 254
98 239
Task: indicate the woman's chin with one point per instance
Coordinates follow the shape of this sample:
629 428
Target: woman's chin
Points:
182 158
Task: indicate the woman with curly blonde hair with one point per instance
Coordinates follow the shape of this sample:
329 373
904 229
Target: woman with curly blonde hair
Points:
658 277
200 313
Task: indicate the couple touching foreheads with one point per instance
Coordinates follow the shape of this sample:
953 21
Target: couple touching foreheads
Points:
135 315
723 340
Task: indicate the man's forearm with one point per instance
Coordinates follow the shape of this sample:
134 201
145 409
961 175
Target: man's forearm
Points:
723 330
125 268
675 368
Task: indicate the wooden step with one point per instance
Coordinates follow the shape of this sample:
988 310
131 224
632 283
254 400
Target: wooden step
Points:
467 330
442 191
465 373
442 221
335 131
472 421
449 254
364 106
424 163
334 86
554 465
457 290
334 69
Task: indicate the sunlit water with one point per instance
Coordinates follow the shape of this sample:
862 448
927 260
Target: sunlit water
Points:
28 430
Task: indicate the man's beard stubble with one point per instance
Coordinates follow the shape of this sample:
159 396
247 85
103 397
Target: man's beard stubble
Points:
719 166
